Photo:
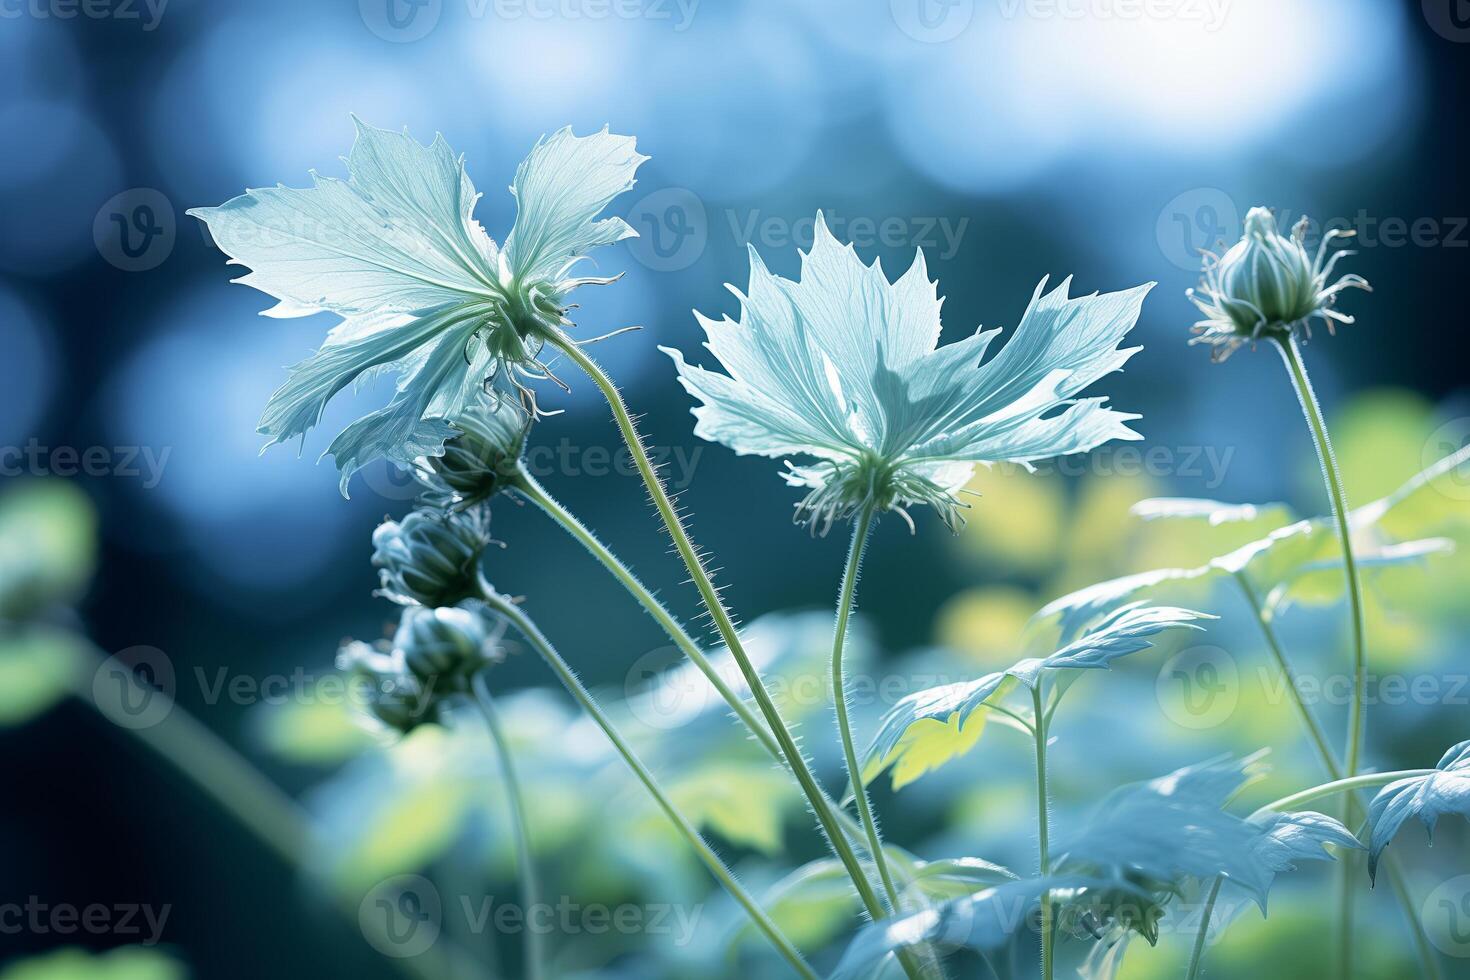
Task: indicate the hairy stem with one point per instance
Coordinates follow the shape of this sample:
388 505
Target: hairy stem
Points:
1332 478
228 778
535 953
846 598
711 860
1043 830
790 752
529 487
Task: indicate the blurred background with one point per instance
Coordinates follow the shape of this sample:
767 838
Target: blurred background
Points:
1009 139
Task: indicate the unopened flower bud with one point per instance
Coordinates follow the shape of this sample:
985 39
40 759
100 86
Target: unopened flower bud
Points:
482 460
444 647
1268 286
430 558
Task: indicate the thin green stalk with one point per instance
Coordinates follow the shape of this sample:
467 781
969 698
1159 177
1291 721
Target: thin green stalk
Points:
1197 955
1428 960
846 598
1291 354
529 487
1314 729
711 860
535 953
794 759
228 778
1367 780
1043 830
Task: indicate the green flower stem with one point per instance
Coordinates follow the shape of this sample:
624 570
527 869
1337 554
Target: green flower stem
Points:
229 779
846 598
1367 780
535 953
791 753
1314 729
1291 354
1197 955
1043 830
1428 960
529 487
711 860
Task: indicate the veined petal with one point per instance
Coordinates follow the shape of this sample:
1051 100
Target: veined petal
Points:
560 188
363 346
396 235
400 432
1062 346
746 419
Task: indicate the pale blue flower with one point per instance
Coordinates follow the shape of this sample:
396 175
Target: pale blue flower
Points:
842 366
422 290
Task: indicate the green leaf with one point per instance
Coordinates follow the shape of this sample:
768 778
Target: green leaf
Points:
1288 564
742 803
956 877
317 731
38 667
812 905
47 546
1172 830
1446 790
123 963
928 728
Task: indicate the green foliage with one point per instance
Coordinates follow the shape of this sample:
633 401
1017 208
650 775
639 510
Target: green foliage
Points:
124 963
47 546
